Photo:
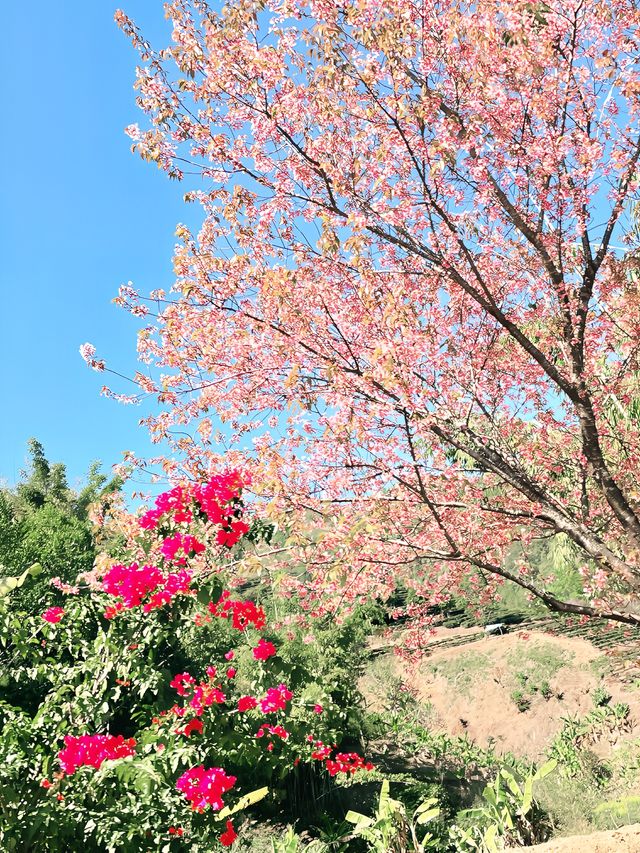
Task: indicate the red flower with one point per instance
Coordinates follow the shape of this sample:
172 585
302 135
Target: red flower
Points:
92 750
230 535
112 611
276 699
53 614
182 683
45 783
205 787
228 836
231 672
247 703
318 709
264 650
192 726
243 613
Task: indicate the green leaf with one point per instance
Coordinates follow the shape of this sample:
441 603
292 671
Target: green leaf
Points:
547 767
489 839
358 819
7 585
244 802
527 798
426 816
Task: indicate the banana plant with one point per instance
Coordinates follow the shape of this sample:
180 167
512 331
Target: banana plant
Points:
510 814
391 830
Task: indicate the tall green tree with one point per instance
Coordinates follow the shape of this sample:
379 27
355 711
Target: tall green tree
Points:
44 521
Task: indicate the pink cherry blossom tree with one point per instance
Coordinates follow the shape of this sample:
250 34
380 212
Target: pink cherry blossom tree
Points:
414 284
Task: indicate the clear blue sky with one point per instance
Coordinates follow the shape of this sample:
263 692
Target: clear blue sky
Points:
79 214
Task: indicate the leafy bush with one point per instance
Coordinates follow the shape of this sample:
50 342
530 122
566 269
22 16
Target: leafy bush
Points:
158 690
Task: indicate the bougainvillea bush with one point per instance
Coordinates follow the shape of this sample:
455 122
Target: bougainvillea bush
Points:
158 704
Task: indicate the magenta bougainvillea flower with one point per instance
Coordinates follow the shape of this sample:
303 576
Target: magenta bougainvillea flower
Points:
92 750
53 614
264 650
205 787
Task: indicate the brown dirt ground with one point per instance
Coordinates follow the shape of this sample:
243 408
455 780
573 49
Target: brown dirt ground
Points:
625 840
480 704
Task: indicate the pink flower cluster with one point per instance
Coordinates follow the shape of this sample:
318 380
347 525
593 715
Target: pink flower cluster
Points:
186 543
92 750
53 614
202 694
215 496
264 650
130 584
276 699
218 501
243 613
173 503
279 731
205 787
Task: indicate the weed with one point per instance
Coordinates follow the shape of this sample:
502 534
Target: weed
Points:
611 815
545 690
600 697
522 702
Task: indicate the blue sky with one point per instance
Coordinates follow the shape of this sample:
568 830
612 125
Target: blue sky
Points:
79 215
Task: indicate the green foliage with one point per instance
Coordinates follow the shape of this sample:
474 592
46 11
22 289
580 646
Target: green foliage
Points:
9 584
49 689
292 843
43 521
510 813
556 555
570 745
600 697
521 701
527 689
392 829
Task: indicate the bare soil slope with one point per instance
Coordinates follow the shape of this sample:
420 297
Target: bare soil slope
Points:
471 688
625 840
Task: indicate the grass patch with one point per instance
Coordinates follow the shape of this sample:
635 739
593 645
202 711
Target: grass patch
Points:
538 663
463 670
617 813
600 666
570 802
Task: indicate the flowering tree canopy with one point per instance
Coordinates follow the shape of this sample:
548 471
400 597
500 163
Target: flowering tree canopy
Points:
411 248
